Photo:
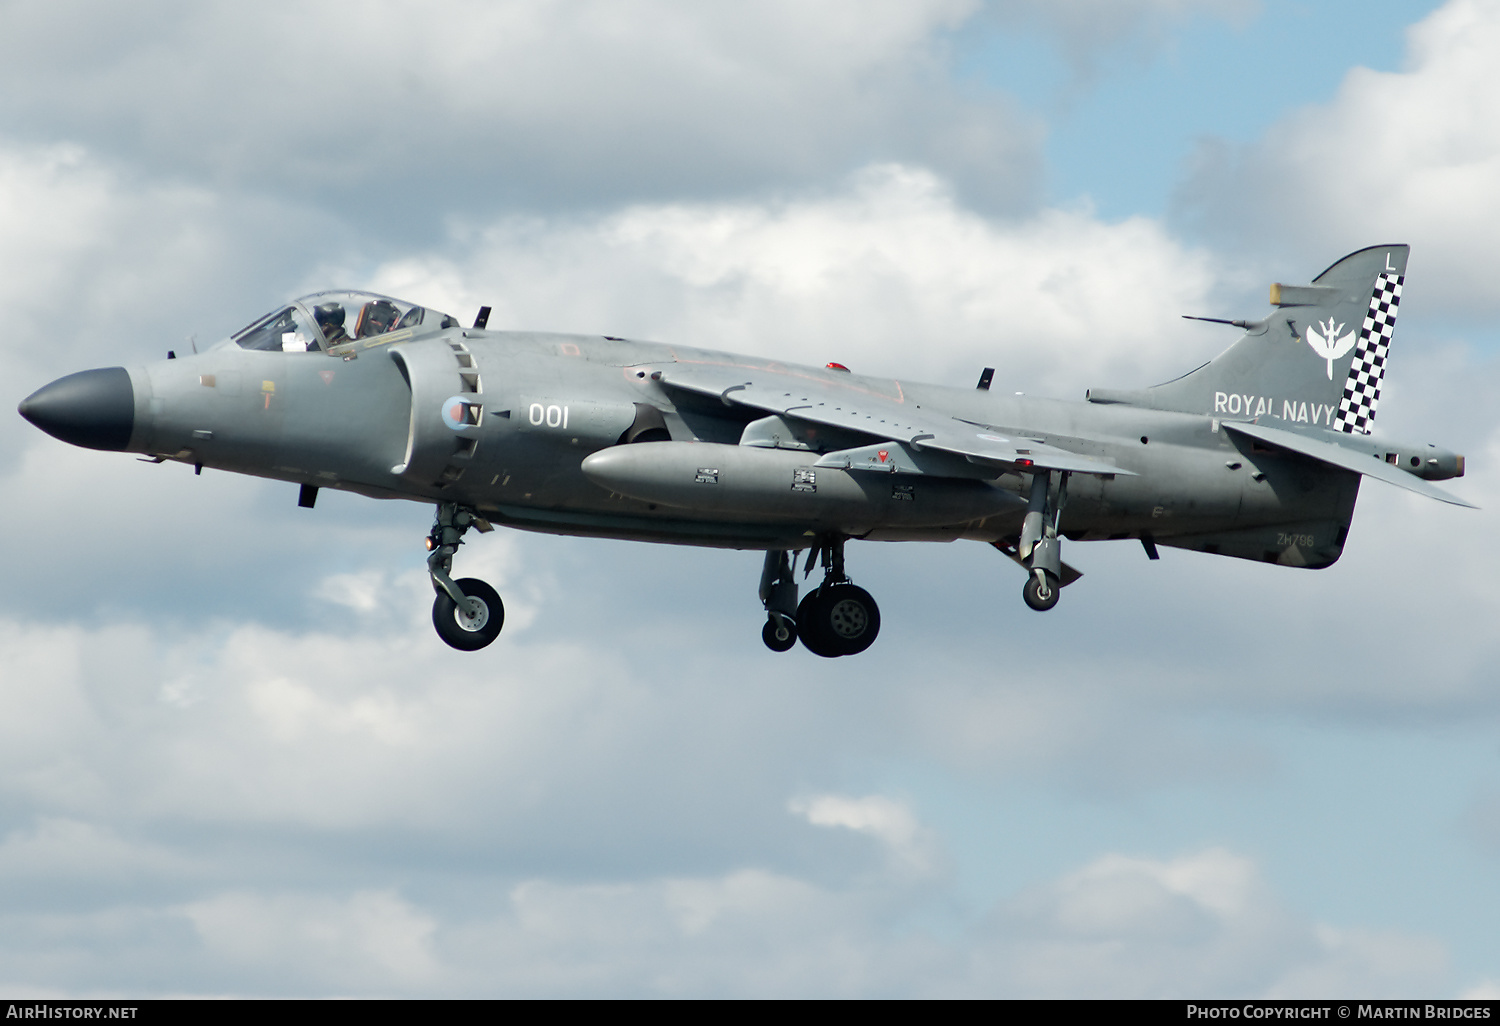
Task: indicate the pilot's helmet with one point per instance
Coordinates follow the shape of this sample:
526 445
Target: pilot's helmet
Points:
329 315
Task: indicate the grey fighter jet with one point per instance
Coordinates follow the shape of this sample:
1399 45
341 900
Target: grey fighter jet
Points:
1257 454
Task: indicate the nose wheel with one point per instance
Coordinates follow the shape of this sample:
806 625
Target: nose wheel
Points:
468 613
473 625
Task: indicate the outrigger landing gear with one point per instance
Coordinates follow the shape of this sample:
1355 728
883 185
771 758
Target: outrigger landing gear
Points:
836 618
1040 549
778 593
468 614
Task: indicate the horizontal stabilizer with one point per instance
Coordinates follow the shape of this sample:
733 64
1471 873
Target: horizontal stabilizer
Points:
1346 459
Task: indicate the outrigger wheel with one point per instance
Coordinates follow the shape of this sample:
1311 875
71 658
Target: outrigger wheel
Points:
779 633
1042 591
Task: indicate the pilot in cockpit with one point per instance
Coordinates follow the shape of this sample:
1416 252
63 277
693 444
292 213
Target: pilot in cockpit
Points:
330 318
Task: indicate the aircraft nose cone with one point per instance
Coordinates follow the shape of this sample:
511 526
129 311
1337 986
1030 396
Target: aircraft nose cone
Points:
93 408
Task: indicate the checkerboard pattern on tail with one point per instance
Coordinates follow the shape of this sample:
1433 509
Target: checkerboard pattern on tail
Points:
1362 389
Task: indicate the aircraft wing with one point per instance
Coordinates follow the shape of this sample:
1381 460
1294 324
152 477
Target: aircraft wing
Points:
1347 459
856 407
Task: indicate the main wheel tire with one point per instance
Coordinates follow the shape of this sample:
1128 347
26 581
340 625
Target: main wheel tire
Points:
852 618
779 635
812 626
1042 594
469 633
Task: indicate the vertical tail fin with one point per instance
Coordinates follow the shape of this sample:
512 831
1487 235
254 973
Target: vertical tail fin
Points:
1367 369
1319 358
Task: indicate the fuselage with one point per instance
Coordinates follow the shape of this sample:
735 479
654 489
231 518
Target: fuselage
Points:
504 421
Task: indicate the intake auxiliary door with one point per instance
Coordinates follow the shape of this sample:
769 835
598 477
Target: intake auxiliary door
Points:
447 408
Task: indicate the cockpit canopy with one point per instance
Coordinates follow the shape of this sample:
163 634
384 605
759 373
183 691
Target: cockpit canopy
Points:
334 322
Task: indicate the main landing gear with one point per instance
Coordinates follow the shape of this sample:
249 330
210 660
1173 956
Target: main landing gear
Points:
835 619
1040 549
467 613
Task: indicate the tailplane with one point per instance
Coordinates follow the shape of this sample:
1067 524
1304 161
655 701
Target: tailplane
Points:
1318 359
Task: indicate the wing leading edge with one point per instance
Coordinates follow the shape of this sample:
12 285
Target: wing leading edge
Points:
857 409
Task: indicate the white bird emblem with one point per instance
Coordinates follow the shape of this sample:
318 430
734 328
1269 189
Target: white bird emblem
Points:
1329 345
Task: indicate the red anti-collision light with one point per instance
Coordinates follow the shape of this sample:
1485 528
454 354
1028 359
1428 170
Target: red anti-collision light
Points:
837 366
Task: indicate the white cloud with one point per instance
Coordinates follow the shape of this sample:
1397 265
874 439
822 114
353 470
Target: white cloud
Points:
102 266
1094 900
882 818
1380 963
876 815
1205 923
1124 926
372 942
575 99
747 932
890 275
1408 156
1202 923
82 854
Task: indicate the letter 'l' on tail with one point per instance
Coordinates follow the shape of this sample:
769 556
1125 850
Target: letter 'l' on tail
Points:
1318 359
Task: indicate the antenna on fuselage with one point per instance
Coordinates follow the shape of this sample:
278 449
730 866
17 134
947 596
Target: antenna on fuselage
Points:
1247 325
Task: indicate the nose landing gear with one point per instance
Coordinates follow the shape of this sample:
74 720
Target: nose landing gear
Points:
467 613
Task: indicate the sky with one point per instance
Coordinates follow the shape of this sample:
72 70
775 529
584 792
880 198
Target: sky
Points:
235 759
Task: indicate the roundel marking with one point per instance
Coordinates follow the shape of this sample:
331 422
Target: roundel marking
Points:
453 413
994 438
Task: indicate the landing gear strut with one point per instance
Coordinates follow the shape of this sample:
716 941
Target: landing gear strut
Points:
778 593
836 618
1040 548
467 613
